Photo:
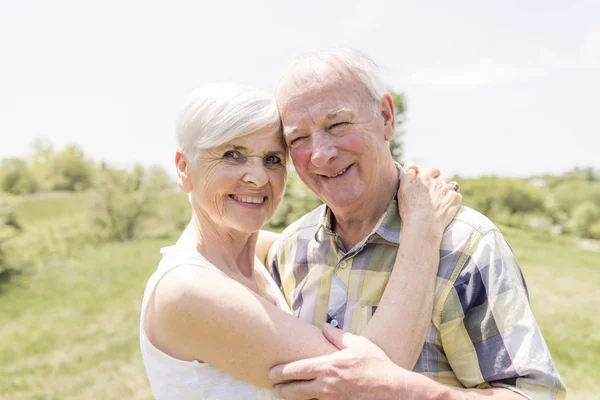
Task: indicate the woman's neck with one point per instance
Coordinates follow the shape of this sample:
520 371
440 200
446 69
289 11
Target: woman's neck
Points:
232 251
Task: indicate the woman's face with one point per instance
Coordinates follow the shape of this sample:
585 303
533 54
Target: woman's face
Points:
240 184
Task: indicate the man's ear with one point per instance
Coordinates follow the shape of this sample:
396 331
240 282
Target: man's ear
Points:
183 179
389 117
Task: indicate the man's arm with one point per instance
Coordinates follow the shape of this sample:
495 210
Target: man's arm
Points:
489 335
362 370
488 330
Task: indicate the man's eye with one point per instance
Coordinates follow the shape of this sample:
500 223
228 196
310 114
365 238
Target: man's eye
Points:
233 155
339 125
272 160
297 140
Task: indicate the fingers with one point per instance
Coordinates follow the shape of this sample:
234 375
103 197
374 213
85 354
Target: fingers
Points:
410 165
411 175
299 390
298 370
411 170
429 172
342 339
451 186
445 179
337 337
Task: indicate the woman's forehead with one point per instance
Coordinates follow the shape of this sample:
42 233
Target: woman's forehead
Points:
269 139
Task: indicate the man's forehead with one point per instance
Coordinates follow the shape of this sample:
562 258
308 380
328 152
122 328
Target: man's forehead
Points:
309 82
318 115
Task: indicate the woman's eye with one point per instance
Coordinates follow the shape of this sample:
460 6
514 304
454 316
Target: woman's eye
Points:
233 155
272 160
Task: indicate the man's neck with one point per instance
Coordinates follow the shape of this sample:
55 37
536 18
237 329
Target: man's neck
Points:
354 223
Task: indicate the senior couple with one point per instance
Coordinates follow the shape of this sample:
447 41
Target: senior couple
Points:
390 290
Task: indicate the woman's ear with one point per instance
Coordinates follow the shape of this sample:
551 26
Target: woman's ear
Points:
183 179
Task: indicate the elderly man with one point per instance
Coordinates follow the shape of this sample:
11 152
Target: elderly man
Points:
334 262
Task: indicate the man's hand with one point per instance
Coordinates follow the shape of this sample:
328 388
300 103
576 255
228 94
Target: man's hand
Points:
360 370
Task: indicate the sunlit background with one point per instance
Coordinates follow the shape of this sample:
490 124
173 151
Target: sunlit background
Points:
502 95
504 87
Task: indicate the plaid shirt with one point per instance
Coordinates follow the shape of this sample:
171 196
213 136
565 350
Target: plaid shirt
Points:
482 333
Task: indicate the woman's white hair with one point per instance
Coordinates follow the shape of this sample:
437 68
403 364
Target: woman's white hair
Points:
314 66
217 113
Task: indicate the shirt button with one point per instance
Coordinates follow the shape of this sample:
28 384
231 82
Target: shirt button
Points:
334 323
343 264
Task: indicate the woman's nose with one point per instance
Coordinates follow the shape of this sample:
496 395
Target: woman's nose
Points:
255 173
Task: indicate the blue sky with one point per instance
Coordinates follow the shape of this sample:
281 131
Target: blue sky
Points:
506 87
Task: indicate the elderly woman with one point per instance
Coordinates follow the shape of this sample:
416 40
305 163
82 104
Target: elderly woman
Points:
213 321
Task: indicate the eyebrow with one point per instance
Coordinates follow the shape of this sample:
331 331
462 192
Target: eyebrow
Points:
337 113
268 153
289 130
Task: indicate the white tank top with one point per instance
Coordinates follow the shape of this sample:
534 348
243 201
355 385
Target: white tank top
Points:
171 378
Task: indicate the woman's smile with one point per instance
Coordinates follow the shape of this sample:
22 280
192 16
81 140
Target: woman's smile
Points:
250 201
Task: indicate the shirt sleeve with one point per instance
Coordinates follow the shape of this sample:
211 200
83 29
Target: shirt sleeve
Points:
272 262
488 330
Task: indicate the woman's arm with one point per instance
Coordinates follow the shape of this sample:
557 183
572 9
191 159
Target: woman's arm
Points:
427 204
198 314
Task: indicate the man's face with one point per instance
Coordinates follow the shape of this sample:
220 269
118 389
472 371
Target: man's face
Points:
337 140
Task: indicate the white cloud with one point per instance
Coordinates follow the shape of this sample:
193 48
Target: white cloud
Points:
586 56
485 73
590 51
488 72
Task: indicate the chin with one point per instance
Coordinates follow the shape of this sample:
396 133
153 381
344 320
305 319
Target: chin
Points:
249 226
341 200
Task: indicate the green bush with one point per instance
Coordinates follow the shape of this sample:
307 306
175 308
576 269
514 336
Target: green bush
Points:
583 217
37 244
593 231
126 201
16 177
9 228
569 194
492 196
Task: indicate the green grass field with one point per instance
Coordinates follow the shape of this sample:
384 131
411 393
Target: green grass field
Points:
69 330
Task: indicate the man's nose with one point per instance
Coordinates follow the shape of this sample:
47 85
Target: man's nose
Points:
255 173
323 149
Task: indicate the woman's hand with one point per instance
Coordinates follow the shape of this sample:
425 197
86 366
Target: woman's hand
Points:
427 201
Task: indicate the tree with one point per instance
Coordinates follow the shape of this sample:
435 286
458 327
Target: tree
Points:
584 217
71 170
41 166
17 177
126 199
396 147
9 227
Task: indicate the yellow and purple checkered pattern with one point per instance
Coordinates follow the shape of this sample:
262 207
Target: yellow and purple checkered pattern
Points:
482 333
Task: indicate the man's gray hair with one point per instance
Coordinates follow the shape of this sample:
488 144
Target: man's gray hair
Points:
217 113
314 65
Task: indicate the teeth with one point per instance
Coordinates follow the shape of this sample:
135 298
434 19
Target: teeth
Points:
339 173
248 199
